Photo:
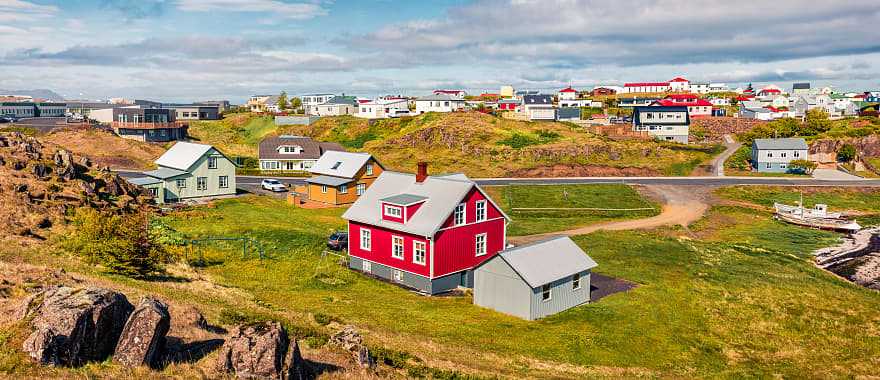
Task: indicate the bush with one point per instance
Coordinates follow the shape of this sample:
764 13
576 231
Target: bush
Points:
802 165
124 244
846 153
740 159
519 140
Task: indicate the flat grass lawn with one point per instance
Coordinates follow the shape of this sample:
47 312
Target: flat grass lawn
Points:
515 199
734 301
865 199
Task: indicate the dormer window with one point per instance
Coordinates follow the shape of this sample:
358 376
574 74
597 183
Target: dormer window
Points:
369 169
290 149
393 211
336 165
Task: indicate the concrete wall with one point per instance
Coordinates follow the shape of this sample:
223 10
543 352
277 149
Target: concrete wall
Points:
420 283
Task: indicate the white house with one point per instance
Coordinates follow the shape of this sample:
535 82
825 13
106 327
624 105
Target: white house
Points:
805 103
310 102
539 107
567 93
699 88
663 123
580 103
337 106
381 108
719 101
680 84
188 171
718 87
645 87
439 103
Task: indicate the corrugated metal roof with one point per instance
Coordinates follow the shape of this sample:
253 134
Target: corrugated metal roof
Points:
182 155
340 164
404 199
784 143
165 173
547 261
143 181
328 180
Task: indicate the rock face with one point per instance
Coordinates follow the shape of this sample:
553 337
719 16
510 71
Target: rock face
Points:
260 351
143 337
74 326
350 340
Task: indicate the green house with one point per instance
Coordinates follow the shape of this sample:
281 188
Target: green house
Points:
189 171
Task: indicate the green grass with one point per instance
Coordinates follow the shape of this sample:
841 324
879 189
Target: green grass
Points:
844 198
609 196
742 301
237 135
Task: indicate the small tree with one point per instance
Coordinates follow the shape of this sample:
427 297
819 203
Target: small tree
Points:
283 104
846 153
816 121
806 166
296 103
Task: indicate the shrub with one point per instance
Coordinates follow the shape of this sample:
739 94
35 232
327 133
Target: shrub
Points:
740 159
846 153
547 134
803 165
519 140
123 243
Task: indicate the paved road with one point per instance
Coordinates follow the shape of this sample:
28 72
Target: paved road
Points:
718 162
688 181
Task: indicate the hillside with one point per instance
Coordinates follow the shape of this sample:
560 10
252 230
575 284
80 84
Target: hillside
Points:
235 135
483 146
107 149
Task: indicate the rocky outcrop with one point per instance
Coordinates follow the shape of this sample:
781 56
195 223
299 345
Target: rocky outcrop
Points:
825 150
350 339
74 326
260 351
143 337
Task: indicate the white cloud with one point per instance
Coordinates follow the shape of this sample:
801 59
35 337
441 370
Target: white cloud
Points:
24 11
295 11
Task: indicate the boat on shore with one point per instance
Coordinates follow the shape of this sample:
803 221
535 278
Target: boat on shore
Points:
816 217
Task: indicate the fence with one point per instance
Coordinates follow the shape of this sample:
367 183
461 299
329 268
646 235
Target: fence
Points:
195 250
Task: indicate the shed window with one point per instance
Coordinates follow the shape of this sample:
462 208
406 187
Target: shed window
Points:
576 281
545 292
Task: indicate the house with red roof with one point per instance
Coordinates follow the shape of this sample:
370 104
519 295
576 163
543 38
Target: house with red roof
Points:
425 232
679 84
567 93
696 107
645 87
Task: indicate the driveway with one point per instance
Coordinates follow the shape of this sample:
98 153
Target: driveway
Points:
718 162
834 175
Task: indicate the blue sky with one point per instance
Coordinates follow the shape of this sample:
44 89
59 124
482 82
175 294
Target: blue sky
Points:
185 50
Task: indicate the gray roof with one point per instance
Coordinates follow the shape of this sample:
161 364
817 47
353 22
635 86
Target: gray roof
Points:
165 173
443 193
311 149
568 113
546 261
441 97
328 180
340 164
143 181
350 100
182 155
800 86
538 99
404 199
786 143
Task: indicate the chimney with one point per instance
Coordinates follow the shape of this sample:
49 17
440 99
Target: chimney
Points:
422 173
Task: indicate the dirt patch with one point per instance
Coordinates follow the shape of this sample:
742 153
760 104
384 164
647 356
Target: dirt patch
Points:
564 170
105 148
602 286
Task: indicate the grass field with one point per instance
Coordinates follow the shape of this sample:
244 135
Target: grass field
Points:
514 200
844 198
236 135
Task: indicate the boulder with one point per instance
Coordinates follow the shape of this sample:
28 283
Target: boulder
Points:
350 340
294 365
74 326
143 337
260 351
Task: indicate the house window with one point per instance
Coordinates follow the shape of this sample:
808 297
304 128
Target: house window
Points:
797 154
394 212
224 181
397 247
545 292
459 215
343 189
369 169
481 211
769 165
576 281
367 266
398 275
366 239
783 166
336 165
783 154
324 189
361 188
212 162
202 183
769 154
480 244
181 183
154 192
419 252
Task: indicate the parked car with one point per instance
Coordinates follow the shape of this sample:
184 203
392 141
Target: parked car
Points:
338 241
4 119
9 118
400 113
273 185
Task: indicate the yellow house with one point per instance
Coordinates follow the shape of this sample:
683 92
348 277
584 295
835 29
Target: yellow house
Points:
341 177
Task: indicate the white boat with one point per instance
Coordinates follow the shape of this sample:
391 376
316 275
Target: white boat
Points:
817 217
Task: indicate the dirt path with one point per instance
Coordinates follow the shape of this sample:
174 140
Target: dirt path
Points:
718 162
682 205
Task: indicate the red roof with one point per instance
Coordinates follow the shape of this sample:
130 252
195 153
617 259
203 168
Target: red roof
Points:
568 89
770 91
744 98
647 84
682 97
696 103
679 79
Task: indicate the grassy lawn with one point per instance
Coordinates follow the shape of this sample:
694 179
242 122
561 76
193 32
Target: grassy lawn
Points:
739 300
843 198
512 199
236 135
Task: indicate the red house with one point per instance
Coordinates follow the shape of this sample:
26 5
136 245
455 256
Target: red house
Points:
424 232
696 107
508 104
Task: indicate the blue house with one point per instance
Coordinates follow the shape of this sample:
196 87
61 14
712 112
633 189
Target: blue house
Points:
775 155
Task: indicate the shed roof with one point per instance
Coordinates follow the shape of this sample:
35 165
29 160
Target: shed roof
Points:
784 143
165 173
328 180
568 113
183 155
143 181
546 261
340 164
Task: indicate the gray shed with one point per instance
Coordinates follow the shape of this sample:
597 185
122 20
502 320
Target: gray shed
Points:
535 280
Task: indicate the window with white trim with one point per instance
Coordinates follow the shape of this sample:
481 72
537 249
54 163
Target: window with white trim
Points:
576 281
201 183
181 183
224 181
212 162
367 266
393 211
361 188
366 239
397 247
369 169
545 292
324 189
343 189
480 214
480 244
398 275
419 249
459 216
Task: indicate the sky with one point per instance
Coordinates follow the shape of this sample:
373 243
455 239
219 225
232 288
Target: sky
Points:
192 50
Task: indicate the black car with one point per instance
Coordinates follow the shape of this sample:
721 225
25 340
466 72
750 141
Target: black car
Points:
338 241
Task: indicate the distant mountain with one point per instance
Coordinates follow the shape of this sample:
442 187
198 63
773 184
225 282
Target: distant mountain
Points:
38 93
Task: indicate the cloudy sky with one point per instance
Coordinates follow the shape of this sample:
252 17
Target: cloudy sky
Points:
186 50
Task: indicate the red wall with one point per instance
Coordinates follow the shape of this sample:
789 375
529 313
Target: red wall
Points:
380 251
391 218
471 208
411 210
455 249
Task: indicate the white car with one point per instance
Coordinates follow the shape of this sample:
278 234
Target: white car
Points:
273 185
400 113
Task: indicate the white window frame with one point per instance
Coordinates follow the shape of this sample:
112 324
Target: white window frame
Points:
366 239
480 212
367 266
397 275
576 281
343 189
397 243
480 241
369 169
212 162
420 249
324 189
361 188
224 181
393 211
460 210
546 293
201 183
